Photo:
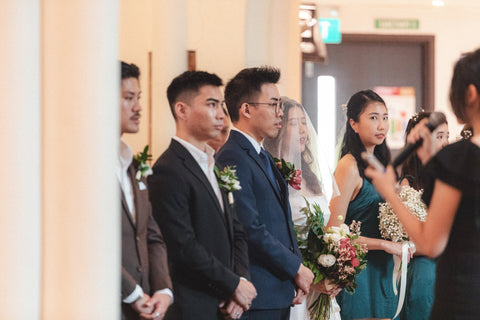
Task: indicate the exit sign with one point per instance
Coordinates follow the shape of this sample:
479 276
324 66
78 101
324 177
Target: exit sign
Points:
330 30
396 24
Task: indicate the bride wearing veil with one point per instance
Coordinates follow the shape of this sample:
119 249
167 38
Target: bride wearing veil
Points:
297 142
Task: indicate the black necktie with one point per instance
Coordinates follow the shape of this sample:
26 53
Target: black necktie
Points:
268 166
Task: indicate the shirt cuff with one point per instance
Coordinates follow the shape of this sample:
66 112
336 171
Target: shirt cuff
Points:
135 295
167 292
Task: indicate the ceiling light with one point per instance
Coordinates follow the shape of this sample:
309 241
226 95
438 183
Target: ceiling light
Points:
437 3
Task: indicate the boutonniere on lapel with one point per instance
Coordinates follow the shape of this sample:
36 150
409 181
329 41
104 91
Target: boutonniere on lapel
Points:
140 163
291 175
228 181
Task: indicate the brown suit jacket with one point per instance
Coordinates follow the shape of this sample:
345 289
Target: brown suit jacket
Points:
144 253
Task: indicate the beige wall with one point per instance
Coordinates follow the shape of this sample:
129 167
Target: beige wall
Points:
229 35
453 27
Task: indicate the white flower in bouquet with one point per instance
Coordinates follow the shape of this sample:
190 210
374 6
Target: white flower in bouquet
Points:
390 227
326 260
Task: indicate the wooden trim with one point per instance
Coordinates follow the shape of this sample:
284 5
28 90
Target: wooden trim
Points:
428 58
192 60
150 94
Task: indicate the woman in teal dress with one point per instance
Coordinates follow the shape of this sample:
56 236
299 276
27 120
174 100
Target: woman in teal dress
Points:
421 269
452 194
366 128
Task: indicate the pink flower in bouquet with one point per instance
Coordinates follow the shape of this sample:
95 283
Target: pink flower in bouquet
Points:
355 262
291 175
295 180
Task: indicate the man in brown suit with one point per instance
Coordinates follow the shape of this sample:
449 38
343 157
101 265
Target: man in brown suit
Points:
146 284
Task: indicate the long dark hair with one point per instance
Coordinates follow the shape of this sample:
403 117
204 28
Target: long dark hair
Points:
273 146
412 167
351 140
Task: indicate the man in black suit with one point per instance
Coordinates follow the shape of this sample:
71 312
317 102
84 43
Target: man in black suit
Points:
206 243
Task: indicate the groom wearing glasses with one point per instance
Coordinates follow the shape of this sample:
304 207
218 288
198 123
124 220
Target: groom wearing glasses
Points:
262 205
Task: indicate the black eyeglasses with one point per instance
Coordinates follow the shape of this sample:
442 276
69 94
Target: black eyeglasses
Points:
279 106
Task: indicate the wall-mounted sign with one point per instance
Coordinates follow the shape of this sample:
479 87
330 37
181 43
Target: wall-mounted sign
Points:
397 24
400 103
330 30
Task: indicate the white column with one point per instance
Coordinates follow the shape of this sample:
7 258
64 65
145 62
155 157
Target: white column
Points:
272 37
81 208
20 161
169 60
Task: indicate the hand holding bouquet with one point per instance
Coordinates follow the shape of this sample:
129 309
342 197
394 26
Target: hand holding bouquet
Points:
332 254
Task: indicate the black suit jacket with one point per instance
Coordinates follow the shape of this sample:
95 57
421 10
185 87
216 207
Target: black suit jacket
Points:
207 247
144 253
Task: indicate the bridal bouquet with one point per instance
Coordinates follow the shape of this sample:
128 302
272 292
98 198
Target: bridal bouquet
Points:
332 254
390 226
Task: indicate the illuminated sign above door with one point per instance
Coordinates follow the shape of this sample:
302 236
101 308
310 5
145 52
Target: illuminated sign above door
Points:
330 30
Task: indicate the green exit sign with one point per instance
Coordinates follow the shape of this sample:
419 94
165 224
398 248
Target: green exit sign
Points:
396 24
330 30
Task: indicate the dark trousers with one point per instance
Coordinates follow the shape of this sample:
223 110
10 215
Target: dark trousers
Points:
268 314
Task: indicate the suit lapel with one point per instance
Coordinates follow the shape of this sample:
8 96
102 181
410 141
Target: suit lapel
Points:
228 215
192 165
126 210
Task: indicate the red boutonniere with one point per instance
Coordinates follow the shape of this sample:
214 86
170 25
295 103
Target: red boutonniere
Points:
290 174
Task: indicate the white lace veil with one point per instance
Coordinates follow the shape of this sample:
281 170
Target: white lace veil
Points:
297 133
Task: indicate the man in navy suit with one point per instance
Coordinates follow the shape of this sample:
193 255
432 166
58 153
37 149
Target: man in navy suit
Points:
262 205
206 243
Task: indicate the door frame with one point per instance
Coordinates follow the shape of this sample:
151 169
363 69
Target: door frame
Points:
428 58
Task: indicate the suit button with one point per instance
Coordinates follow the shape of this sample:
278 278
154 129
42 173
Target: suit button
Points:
137 238
139 269
291 249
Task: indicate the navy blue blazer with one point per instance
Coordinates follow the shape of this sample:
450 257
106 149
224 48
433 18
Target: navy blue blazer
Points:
265 214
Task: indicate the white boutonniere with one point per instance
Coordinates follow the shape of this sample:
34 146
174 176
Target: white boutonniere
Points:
140 162
228 181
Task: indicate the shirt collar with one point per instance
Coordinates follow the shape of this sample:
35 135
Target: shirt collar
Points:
202 157
258 147
125 156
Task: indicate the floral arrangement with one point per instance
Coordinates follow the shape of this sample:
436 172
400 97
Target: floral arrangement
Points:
228 181
332 254
290 174
390 227
140 162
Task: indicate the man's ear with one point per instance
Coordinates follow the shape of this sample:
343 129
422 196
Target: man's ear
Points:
353 124
245 111
180 110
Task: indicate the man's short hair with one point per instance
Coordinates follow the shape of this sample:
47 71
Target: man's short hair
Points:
246 85
129 70
189 83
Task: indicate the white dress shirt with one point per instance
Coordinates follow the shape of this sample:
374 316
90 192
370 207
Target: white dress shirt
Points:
258 147
206 161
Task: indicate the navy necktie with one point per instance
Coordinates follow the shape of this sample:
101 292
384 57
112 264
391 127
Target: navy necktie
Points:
268 166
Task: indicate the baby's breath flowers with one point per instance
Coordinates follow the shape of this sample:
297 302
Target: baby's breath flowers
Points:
390 226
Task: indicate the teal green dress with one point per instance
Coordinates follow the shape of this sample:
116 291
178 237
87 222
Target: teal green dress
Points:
374 296
420 288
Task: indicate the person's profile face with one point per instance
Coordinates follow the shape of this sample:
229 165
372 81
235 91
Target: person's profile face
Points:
265 121
296 132
220 140
441 136
204 114
130 105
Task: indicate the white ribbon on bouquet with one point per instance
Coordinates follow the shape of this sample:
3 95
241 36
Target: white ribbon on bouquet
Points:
400 265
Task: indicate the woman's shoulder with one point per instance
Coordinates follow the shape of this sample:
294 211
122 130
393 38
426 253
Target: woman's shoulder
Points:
348 165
